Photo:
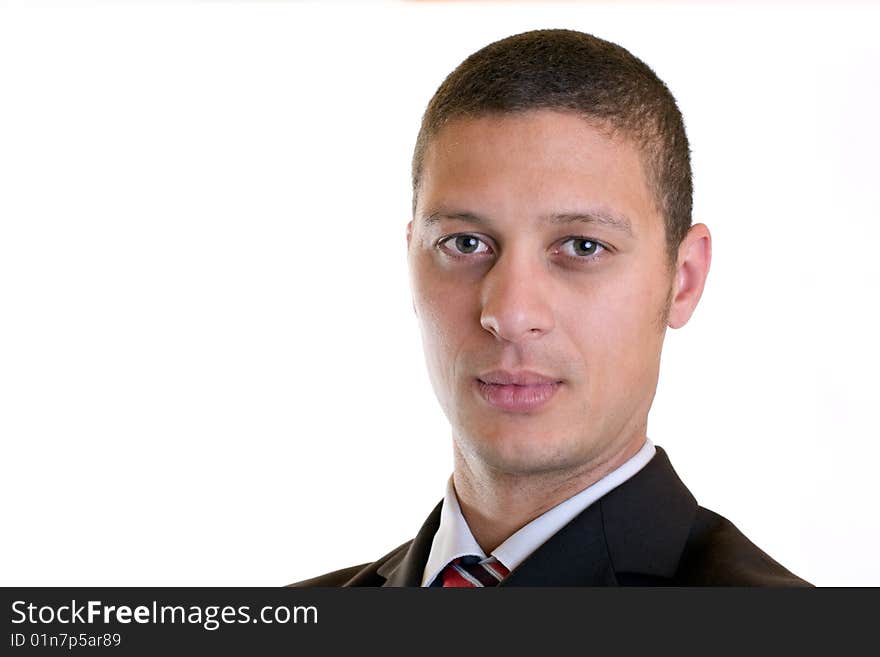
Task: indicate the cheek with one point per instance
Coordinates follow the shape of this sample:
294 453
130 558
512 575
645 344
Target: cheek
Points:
616 332
446 318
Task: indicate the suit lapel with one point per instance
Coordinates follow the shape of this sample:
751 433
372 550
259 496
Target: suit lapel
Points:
575 556
407 566
647 520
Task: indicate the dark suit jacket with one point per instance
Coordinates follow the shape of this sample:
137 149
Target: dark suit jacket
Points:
649 531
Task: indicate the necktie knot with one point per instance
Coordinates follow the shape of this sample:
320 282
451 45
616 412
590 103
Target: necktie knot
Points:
472 571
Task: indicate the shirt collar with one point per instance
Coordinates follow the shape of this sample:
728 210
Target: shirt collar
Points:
454 538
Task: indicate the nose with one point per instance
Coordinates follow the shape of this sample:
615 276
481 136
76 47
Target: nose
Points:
516 303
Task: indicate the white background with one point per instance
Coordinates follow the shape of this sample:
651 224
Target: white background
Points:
210 371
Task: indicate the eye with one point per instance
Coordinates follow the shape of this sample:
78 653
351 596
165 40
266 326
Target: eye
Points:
584 248
462 245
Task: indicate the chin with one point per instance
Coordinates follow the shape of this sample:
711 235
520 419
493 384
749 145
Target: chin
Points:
521 455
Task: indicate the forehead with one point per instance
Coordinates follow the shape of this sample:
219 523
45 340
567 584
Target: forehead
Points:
534 165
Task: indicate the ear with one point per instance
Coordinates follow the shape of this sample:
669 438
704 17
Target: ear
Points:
691 270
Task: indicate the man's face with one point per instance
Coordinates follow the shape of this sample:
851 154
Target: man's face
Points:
536 246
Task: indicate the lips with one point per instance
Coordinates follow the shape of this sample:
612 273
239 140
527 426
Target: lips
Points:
520 378
517 392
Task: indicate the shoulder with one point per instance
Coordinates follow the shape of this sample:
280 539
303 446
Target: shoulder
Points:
717 553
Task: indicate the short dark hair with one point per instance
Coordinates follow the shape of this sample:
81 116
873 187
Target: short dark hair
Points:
602 82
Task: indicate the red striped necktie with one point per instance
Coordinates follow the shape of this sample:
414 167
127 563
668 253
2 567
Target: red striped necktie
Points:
469 572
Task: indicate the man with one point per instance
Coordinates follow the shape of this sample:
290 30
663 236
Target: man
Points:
551 246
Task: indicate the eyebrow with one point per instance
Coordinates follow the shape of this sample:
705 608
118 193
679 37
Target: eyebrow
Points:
611 220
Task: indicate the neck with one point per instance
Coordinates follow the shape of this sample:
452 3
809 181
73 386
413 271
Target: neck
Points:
496 504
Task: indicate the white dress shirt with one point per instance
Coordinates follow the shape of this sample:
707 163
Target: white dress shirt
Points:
454 538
